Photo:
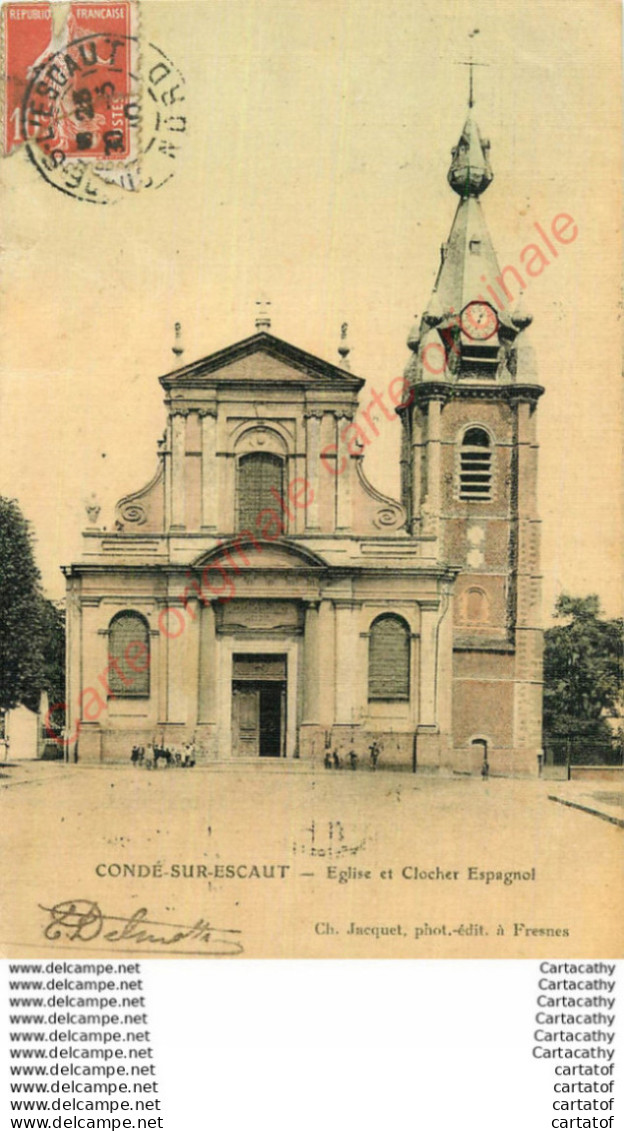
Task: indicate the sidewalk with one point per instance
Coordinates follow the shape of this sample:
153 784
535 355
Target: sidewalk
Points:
598 799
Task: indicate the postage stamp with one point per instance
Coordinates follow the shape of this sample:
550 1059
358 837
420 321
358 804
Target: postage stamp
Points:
97 114
69 79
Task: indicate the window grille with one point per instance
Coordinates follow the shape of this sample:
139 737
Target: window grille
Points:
389 658
129 657
260 485
475 465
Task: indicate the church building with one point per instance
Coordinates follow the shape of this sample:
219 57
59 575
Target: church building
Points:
261 599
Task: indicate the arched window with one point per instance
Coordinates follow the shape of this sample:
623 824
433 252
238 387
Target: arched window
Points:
128 656
260 485
389 658
476 606
475 465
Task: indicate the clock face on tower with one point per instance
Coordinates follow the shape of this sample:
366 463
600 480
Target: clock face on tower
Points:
479 321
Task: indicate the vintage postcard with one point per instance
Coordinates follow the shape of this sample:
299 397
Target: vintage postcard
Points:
310 479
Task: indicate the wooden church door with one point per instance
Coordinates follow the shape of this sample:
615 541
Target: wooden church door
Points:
245 721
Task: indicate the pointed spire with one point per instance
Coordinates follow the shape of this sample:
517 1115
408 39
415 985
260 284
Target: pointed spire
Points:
469 279
344 349
469 268
470 264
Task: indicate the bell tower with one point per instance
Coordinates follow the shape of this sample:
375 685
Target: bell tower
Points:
469 477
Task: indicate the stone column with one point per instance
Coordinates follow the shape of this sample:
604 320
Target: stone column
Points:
434 457
296 515
311 684
207 666
326 663
193 612
344 518
227 504
346 662
175 622
313 467
155 683
327 474
209 484
429 613
526 441
165 449
415 448
178 457
160 674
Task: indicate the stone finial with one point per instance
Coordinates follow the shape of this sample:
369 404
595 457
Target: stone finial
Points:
344 349
413 336
92 508
434 313
177 348
263 319
520 315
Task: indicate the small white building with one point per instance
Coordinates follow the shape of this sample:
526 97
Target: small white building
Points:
21 732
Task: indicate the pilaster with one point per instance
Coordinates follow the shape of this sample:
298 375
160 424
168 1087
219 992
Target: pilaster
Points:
311 674
347 644
328 474
207 666
178 456
344 517
313 466
429 617
209 484
434 458
326 662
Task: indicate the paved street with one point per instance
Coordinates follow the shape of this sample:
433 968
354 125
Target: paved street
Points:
293 862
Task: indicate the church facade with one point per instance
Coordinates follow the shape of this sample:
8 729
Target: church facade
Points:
261 599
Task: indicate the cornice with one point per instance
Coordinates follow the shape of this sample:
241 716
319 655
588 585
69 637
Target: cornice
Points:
445 392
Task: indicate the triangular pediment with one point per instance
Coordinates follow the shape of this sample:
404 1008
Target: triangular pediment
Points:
263 360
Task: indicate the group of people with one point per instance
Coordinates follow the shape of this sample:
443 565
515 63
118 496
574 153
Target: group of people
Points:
333 761
182 757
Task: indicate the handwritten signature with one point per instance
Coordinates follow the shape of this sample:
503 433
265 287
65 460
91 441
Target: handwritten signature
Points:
82 920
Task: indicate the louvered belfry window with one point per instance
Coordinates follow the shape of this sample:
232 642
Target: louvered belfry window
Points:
475 465
260 485
129 648
389 658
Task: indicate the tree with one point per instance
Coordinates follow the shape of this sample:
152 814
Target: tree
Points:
22 616
53 625
583 674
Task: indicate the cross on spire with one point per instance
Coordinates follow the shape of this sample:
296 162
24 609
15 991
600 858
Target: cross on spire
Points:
470 63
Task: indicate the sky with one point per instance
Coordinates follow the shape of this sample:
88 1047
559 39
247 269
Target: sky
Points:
313 171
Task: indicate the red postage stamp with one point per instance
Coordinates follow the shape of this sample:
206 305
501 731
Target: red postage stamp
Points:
69 73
